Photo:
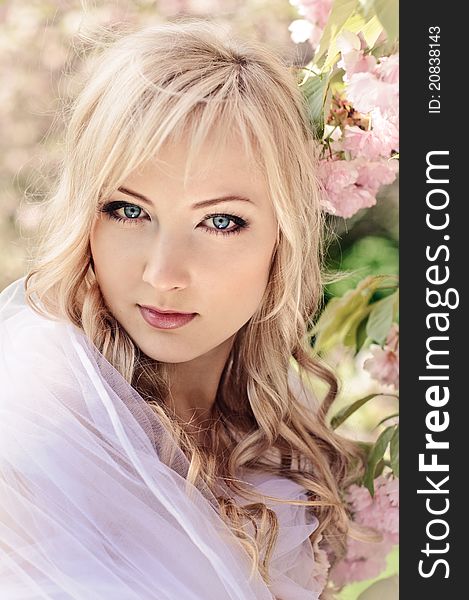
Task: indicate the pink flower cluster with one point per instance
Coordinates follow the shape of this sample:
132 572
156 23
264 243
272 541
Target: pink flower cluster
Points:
365 560
350 185
372 88
384 363
315 14
360 141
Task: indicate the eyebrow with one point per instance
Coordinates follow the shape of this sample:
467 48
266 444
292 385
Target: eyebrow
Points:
201 204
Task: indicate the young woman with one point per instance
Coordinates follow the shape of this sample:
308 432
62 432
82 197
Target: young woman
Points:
156 437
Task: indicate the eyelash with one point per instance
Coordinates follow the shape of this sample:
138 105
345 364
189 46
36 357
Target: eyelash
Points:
110 209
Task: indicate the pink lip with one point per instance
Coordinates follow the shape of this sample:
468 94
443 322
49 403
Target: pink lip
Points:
165 320
163 311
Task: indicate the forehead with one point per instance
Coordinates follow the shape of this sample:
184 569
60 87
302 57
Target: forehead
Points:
217 160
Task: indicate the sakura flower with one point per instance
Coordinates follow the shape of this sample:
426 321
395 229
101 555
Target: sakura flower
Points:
366 144
353 184
388 68
356 62
359 498
338 178
380 511
383 366
392 339
353 59
374 174
386 127
365 560
367 92
348 42
384 363
316 13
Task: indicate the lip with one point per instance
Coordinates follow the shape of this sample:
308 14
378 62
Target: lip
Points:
165 320
161 311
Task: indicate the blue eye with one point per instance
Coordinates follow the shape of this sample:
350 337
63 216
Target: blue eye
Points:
131 211
132 216
222 221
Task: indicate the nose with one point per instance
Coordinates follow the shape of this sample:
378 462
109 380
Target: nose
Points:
168 264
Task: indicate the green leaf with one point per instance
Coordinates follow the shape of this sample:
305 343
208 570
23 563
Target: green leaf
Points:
345 413
376 455
339 321
387 12
394 451
341 11
342 313
356 23
315 88
379 468
361 336
371 31
381 318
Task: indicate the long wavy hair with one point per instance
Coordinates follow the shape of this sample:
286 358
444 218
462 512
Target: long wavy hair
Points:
192 78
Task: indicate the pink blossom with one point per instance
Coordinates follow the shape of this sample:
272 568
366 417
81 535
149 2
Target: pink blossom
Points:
356 62
364 560
382 511
372 144
386 127
353 59
384 363
383 366
388 68
339 179
366 91
359 498
368 559
373 88
350 185
392 339
374 174
348 42
378 142
317 13
338 174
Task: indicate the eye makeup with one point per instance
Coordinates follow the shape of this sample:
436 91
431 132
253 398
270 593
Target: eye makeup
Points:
109 209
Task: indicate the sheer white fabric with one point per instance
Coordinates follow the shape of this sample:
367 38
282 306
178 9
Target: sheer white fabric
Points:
93 497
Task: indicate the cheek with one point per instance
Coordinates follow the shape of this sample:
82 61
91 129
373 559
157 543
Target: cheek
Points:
241 276
111 258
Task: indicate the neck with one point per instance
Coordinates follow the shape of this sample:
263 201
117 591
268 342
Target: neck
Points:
194 384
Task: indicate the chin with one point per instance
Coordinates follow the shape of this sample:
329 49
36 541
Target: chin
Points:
171 357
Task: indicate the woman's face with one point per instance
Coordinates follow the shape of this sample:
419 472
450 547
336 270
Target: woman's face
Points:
172 252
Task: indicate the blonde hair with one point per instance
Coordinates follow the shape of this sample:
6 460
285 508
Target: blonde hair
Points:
150 87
